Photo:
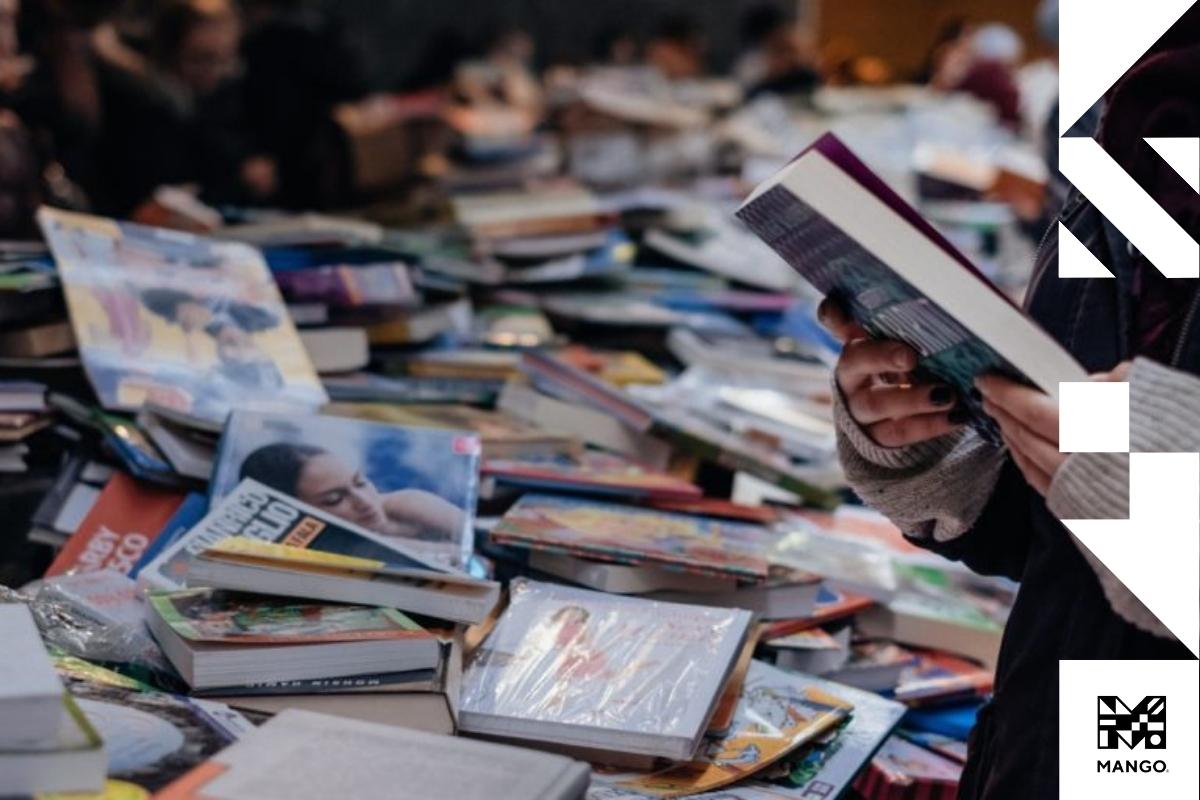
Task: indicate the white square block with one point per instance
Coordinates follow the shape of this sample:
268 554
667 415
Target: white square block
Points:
1093 417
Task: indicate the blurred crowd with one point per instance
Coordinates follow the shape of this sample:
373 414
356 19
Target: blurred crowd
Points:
103 102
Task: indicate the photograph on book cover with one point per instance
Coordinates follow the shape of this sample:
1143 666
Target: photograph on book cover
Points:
186 322
417 484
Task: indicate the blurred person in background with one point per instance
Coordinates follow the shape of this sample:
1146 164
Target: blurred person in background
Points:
299 65
983 63
780 58
676 48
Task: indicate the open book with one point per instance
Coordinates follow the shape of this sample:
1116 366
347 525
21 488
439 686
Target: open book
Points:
841 227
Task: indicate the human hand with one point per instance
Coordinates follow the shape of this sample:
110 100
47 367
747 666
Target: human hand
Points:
874 379
1028 421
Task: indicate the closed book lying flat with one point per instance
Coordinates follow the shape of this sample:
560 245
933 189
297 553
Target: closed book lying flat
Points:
219 638
590 670
30 692
250 565
421 711
300 755
786 594
615 578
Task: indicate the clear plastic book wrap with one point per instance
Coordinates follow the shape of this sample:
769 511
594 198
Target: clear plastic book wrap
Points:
588 669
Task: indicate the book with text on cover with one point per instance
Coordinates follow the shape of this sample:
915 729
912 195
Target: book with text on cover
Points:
122 525
246 564
852 237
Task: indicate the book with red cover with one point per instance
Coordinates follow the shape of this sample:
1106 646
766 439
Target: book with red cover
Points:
938 677
124 521
902 770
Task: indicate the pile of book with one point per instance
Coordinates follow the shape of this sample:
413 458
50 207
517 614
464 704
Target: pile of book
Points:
540 499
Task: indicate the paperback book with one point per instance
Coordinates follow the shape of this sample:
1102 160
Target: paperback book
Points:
619 533
853 238
412 485
602 672
191 323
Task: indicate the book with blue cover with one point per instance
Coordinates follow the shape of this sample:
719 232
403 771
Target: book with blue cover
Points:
414 485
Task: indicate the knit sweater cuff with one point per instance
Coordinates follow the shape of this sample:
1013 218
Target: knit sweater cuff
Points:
1164 414
910 458
1091 486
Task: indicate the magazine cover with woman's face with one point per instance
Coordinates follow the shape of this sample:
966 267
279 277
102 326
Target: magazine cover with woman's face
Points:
416 484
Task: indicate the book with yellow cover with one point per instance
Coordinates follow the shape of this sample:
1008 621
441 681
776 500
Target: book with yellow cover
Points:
190 323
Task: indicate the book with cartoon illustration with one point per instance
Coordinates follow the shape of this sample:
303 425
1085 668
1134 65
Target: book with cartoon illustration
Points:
414 485
180 320
612 532
583 669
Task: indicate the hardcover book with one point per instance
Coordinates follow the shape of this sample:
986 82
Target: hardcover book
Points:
592 472
413 485
585 669
188 322
614 532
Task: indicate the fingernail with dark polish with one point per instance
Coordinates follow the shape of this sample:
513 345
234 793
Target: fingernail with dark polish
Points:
941 395
959 416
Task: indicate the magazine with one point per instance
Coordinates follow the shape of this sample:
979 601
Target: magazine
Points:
583 668
187 322
413 484
778 713
612 532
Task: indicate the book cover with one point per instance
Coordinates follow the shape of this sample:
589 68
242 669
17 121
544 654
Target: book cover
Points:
119 529
592 472
256 511
415 485
217 617
151 737
190 511
939 677
188 322
578 661
349 285
612 532
849 235
778 713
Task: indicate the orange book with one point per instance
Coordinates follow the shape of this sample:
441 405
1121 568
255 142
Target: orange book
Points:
126 518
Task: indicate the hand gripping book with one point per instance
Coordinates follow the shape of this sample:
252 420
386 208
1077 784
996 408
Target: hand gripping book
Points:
585 670
849 235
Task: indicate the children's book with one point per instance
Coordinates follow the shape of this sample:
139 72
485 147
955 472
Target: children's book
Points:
852 237
612 532
122 525
187 322
414 485
590 670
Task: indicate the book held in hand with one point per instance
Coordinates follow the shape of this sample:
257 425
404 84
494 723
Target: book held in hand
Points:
216 638
604 673
852 237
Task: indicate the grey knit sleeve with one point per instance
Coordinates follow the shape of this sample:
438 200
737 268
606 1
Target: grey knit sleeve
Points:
1164 417
933 489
